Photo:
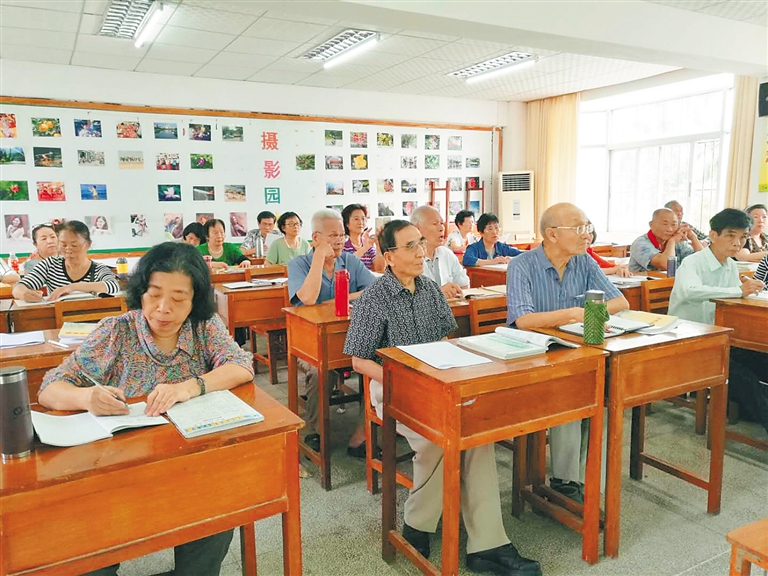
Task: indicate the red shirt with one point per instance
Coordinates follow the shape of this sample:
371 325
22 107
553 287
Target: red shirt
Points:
601 261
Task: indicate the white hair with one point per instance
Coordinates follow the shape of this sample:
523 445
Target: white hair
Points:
319 218
420 214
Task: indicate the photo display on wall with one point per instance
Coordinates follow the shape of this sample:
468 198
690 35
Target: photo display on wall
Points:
137 179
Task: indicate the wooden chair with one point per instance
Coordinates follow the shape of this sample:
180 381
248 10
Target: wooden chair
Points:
277 343
91 310
485 314
749 546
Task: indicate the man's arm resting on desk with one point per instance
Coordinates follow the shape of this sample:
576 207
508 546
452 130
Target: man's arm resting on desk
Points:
368 368
566 316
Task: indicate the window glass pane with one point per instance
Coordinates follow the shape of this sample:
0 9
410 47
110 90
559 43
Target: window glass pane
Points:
704 201
592 185
623 188
675 159
647 199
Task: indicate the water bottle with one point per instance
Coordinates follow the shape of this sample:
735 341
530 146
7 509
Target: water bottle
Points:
122 267
259 247
16 432
341 293
595 316
671 266
13 262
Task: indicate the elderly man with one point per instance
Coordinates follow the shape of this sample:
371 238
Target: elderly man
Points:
545 289
666 239
677 208
311 280
440 264
266 231
401 308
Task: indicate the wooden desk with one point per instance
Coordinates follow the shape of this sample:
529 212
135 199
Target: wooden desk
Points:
749 319
5 290
644 369
480 276
242 307
317 335
5 316
37 360
749 546
152 489
463 408
43 316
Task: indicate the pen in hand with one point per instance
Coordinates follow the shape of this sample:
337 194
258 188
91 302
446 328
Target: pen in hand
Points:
93 381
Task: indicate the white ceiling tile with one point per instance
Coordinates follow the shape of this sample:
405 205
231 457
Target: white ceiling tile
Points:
426 84
262 46
37 38
430 35
237 6
737 10
90 24
104 61
21 17
463 53
159 51
300 50
325 81
97 7
300 65
759 20
367 26
277 77
353 71
407 45
274 29
375 82
299 16
210 20
106 45
75 6
194 38
168 67
236 60
380 59
225 72
35 54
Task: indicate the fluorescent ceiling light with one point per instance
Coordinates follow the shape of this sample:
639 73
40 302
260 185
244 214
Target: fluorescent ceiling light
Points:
124 18
496 67
152 25
343 47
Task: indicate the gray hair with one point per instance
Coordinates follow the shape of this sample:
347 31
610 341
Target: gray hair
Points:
319 217
672 203
420 214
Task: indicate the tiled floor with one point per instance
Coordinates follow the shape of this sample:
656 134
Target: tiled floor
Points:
665 529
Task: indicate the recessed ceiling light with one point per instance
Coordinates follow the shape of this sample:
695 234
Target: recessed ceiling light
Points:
496 66
152 24
125 17
342 47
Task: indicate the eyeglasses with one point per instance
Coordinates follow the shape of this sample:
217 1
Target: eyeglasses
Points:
493 228
412 246
583 229
292 224
337 237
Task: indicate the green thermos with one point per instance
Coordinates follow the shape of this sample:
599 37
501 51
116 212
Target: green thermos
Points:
595 316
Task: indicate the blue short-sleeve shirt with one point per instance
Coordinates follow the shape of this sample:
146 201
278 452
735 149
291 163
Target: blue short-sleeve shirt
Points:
298 268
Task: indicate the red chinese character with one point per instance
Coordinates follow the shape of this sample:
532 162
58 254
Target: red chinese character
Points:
269 140
271 168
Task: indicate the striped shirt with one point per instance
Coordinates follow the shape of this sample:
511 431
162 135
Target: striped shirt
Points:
762 270
52 273
366 258
534 285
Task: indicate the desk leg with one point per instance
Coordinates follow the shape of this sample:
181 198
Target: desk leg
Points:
613 466
451 506
718 405
519 474
591 520
292 518
637 443
248 548
324 426
293 383
388 486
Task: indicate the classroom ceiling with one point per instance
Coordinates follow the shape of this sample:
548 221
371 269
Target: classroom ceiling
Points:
752 12
263 42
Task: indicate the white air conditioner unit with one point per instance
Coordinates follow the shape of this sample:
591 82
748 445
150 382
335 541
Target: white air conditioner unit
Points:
516 206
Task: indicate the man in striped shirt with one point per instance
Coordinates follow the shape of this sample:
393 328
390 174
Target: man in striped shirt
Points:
545 289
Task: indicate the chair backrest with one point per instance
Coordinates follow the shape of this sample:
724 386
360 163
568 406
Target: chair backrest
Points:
654 295
91 310
485 314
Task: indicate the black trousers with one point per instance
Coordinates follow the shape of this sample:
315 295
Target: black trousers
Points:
747 384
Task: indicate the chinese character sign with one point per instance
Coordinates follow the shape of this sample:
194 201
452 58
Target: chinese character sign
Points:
271 169
272 195
269 141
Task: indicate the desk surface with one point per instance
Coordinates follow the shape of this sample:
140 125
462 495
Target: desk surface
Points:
756 303
19 353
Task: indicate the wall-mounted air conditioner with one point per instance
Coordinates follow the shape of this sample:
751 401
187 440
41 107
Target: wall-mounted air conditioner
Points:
516 208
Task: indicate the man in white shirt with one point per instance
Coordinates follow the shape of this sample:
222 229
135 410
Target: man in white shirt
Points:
440 264
712 273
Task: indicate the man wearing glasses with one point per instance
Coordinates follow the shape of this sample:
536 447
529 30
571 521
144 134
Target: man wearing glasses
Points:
545 289
311 280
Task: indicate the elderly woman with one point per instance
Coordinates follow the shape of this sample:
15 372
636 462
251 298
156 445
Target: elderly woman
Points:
71 272
170 347
459 239
46 245
488 250
223 253
194 234
608 268
290 245
757 243
360 242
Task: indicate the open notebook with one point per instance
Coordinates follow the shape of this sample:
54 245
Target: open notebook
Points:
214 412
616 326
77 295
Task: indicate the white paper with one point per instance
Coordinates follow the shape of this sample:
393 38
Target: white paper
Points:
134 419
68 430
620 281
22 339
502 267
759 296
444 355
213 412
237 285
76 295
533 337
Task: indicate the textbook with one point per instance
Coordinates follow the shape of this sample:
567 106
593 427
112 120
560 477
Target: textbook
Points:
484 291
659 323
616 326
534 337
213 412
85 428
255 283
76 331
500 346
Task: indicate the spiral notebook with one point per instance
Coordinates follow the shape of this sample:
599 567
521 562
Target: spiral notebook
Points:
214 412
616 326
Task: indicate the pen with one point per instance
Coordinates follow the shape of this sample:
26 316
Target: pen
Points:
104 387
59 344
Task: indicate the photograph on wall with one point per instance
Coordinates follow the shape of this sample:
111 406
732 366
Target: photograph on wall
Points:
167 161
409 162
427 181
358 139
408 207
130 160
238 224
51 192
453 162
166 131
408 141
408 186
14 190
386 209
201 161
455 184
334 188
14 155
334 163
90 158
7 125
472 182
335 207
361 186
454 143
432 161
232 133
93 191
305 162
431 142
200 132
474 206
234 192
334 138
128 130
46 127
473 162
203 217
359 161
99 225
203 193
385 185
385 140
139 225
173 225
88 128
169 192
454 207
17 226
47 157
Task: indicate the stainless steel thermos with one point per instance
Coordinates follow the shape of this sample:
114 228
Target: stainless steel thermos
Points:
16 432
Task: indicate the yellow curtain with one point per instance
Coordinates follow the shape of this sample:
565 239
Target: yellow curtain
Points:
742 135
551 149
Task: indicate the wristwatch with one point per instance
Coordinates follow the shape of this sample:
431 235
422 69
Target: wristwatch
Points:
201 382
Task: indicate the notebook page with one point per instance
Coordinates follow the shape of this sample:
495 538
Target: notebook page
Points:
215 410
22 339
444 355
134 419
68 430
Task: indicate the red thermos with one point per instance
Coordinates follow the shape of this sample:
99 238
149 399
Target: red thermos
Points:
341 286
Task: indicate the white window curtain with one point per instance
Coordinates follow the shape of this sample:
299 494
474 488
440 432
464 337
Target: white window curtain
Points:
742 135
